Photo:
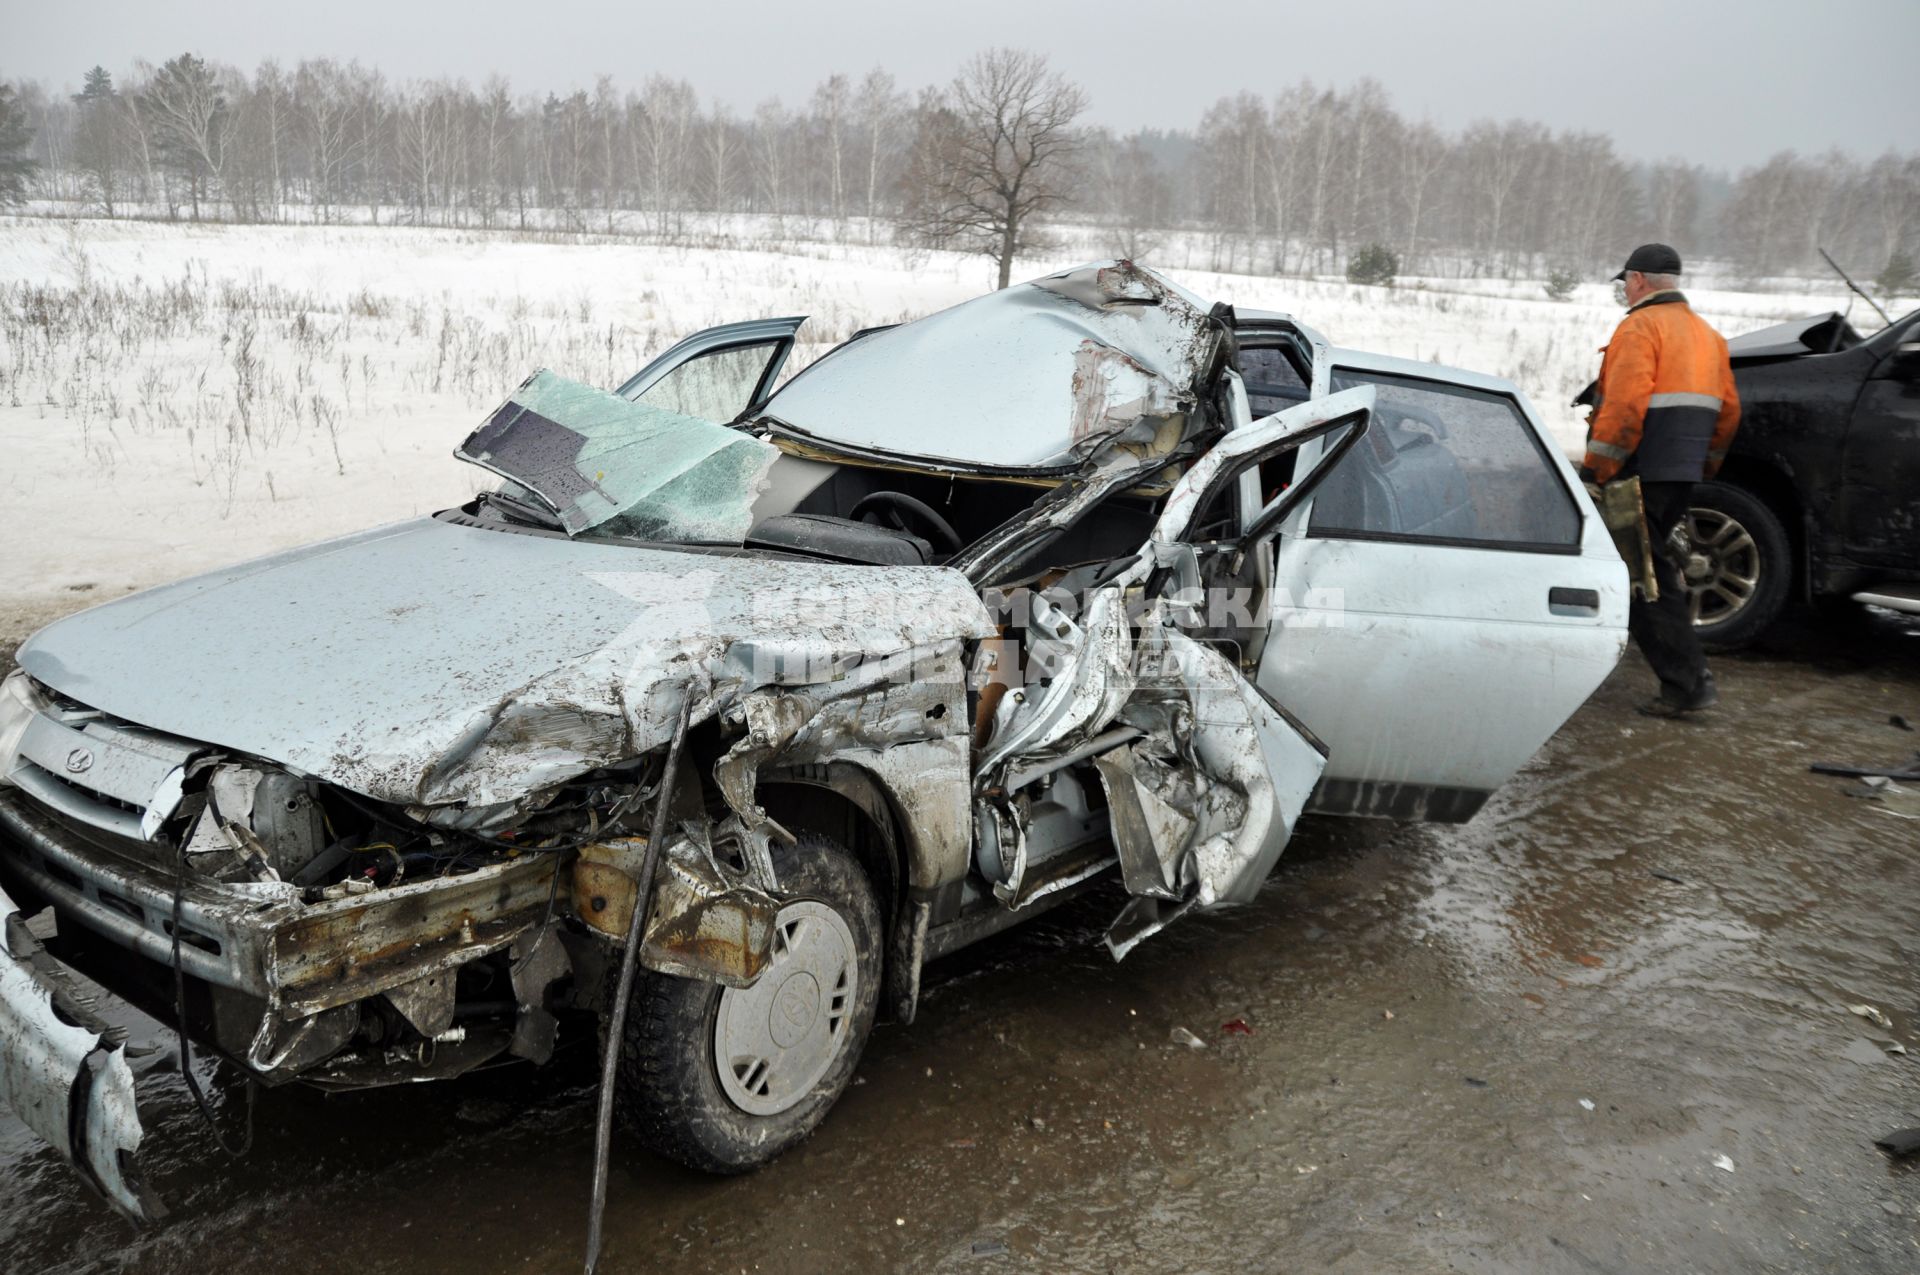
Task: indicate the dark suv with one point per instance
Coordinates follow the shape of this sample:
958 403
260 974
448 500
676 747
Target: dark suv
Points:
1819 498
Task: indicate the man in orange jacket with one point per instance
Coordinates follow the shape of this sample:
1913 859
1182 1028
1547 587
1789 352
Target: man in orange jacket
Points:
1667 413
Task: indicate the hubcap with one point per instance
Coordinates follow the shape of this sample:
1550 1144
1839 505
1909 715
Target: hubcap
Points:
1722 565
772 1042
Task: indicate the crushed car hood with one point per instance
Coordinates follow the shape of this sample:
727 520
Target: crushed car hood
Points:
434 662
1815 334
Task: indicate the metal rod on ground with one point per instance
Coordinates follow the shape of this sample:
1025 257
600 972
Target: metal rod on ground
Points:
617 1021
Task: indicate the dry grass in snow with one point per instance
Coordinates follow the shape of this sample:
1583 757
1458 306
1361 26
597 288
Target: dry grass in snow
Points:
174 398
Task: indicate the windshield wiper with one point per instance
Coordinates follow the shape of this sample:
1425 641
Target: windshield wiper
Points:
522 511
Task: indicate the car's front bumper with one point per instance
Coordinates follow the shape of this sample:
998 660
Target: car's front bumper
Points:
64 1072
273 983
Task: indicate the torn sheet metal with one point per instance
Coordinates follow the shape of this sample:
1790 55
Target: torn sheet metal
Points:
901 718
1205 802
703 924
67 1082
601 461
1027 377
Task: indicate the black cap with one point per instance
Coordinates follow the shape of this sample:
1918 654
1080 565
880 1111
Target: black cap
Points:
1652 258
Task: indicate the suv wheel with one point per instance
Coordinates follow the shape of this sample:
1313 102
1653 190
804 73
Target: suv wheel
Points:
725 1079
1739 564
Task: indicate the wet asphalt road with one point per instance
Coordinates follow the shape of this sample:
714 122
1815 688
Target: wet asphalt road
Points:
1665 920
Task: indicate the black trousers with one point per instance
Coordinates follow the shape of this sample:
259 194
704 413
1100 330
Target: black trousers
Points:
1664 629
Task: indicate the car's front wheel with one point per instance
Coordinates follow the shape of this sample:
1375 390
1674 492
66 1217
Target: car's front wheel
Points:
1738 564
725 1079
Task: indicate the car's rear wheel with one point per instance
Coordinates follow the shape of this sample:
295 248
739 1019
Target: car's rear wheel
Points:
725 1079
1739 564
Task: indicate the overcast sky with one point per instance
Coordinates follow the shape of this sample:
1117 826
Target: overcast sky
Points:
1720 82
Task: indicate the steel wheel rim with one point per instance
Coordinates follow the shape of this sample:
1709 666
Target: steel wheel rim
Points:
773 1042
1721 565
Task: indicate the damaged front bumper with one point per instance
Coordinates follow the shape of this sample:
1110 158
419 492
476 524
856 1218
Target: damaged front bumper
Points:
64 1071
280 986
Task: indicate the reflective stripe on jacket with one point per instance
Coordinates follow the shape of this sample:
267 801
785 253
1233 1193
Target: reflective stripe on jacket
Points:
1668 408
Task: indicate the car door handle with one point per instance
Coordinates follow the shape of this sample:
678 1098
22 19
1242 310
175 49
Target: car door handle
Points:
1564 601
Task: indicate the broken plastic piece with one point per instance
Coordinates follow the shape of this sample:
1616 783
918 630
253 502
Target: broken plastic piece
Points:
64 1072
1900 1144
1872 1015
1181 1036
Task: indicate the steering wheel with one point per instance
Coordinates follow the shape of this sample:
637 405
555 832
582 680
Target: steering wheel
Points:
894 508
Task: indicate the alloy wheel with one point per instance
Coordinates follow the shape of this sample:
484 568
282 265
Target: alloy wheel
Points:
1721 565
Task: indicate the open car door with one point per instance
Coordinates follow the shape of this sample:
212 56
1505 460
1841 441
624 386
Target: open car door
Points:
718 374
1205 773
1444 601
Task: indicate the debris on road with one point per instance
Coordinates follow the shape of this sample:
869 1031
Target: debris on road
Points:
1475 1082
1899 1144
1909 769
1181 1036
1587 1103
1665 876
1899 721
1241 1027
1723 1163
1872 1015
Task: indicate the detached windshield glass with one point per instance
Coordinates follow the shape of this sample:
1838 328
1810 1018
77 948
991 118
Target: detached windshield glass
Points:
603 463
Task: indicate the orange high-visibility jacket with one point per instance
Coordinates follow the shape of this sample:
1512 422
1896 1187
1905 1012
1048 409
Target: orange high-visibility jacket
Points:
1668 409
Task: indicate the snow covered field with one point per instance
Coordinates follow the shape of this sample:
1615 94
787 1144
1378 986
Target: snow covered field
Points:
173 397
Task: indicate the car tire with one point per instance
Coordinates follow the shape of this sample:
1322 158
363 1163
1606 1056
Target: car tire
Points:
1741 553
684 1093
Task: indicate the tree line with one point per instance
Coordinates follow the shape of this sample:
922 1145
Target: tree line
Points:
1296 182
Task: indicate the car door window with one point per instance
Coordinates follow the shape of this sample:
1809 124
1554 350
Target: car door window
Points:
1446 464
716 386
1273 384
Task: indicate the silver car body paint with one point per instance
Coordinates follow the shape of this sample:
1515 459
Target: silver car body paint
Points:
431 662
1027 377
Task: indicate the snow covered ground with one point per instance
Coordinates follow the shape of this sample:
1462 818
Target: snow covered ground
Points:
174 398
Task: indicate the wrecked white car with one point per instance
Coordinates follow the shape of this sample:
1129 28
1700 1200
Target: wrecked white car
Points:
1084 577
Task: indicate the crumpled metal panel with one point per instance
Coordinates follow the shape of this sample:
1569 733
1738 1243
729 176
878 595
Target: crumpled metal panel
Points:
602 461
431 663
47 1064
1031 376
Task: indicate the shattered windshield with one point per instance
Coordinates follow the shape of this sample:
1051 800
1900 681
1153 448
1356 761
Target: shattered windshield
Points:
602 463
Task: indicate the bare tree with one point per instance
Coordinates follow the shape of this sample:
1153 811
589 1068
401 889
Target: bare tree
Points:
879 108
993 155
831 102
719 144
667 108
191 121
770 127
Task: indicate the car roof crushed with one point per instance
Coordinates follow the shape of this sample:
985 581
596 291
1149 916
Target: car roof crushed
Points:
1035 376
